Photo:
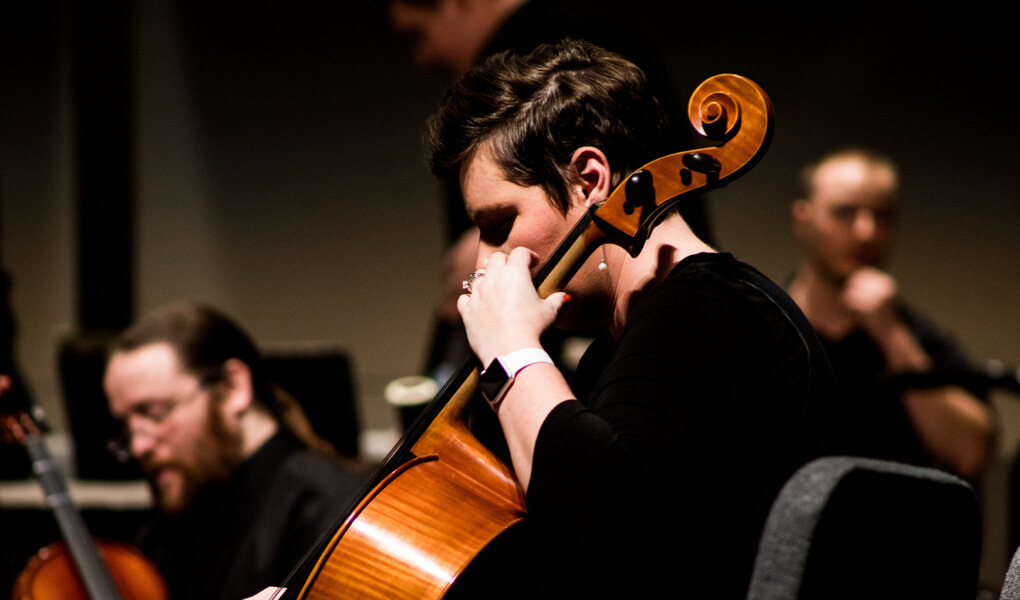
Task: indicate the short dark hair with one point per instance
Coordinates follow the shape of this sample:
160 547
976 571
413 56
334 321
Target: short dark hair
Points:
872 158
204 340
535 109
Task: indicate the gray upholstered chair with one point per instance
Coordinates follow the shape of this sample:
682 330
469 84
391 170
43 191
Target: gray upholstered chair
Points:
1011 587
857 528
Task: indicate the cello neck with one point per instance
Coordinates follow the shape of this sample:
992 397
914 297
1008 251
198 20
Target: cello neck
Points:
91 567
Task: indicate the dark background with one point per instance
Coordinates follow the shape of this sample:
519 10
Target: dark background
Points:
263 156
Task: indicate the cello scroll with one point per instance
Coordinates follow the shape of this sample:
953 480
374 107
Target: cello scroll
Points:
729 108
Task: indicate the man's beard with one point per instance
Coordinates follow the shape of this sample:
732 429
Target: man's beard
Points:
215 456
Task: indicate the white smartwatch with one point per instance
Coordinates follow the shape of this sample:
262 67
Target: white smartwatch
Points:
495 380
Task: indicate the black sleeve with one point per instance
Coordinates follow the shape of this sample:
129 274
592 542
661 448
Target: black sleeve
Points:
950 365
709 376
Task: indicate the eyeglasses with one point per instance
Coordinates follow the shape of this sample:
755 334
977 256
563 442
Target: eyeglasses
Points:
148 419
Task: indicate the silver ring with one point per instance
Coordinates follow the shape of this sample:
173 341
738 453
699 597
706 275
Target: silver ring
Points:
466 284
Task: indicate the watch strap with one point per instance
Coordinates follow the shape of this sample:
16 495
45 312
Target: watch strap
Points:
518 359
502 371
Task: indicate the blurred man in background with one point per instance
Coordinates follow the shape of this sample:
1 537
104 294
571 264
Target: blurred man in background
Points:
902 381
240 496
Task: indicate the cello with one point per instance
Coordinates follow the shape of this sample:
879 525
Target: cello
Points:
441 497
78 568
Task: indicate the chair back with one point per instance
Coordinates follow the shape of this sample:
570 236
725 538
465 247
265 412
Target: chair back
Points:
1011 587
846 527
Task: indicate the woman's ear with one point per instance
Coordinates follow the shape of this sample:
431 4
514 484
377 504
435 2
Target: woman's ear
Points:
594 176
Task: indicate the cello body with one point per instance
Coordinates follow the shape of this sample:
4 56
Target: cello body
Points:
453 495
52 574
442 497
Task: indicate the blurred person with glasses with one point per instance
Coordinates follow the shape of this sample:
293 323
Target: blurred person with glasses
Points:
240 486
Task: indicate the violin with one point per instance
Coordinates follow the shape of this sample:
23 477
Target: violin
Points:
441 497
78 567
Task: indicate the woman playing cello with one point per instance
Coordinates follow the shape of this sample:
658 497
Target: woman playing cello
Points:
656 467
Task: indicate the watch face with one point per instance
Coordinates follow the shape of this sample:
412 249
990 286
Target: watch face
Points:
492 380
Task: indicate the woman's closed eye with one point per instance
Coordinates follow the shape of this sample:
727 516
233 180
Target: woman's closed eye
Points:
496 231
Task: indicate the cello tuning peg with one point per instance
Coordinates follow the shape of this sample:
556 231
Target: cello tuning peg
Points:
639 191
701 163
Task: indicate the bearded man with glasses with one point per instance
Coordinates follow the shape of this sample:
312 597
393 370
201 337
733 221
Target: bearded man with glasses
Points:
239 494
